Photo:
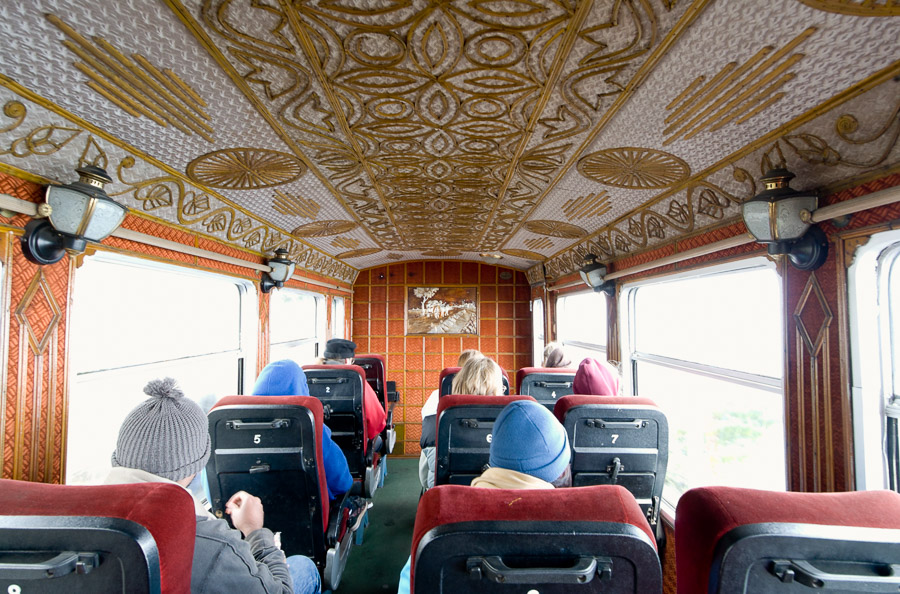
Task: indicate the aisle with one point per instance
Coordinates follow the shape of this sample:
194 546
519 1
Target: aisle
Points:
374 567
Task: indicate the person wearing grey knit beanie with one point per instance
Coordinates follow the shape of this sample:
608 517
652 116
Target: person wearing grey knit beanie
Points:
166 439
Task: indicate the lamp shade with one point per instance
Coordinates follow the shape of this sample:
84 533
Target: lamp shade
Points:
592 272
82 209
779 213
282 267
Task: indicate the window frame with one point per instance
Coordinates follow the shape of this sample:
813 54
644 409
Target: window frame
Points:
247 328
538 332
871 355
631 357
318 339
600 349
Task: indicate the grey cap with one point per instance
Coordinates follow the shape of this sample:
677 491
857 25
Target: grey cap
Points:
166 435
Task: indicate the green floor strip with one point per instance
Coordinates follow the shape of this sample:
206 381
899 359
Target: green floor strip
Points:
374 566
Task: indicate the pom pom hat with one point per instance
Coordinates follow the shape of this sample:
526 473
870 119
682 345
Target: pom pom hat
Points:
166 435
527 438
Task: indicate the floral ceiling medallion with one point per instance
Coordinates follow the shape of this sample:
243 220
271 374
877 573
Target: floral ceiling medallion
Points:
634 168
323 228
245 169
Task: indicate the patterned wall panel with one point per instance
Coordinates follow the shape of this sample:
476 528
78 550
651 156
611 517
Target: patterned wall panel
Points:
35 396
415 362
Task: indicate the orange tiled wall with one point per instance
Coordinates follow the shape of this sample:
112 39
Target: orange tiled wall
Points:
415 362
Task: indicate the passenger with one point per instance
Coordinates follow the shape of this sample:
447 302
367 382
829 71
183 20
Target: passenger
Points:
165 439
598 378
341 352
479 376
529 450
429 426
286 378
555 356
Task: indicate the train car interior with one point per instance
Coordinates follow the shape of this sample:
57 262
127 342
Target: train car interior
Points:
662 234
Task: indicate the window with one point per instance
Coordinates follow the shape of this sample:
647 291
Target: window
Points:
537 323
133 321
337 317
294 325
874 304
707 348
581 325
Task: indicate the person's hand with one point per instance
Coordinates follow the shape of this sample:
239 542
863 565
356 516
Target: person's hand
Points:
246 512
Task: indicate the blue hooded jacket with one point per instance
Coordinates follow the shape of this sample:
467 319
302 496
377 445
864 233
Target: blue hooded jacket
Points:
286 378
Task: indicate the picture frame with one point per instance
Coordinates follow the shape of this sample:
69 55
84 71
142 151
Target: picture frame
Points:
435 310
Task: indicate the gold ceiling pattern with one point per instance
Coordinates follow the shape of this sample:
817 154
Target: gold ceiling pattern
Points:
591 205
736 93
458 112
635 168
245 169
381 130
136 85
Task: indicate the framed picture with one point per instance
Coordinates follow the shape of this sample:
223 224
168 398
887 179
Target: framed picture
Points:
441 310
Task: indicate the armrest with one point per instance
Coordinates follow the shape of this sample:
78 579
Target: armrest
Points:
392 394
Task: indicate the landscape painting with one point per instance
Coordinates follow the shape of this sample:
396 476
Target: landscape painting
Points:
441 310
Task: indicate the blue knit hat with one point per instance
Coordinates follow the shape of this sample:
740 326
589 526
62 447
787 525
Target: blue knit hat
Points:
527 438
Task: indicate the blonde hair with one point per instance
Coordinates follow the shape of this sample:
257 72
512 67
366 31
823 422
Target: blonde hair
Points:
466 355
479 376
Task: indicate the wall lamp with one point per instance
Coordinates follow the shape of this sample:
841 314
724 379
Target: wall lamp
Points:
782 218
77 213
592 273
282 269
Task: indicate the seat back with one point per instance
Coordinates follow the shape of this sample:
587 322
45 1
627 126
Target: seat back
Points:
746 540
545 384
376 374
108 538
591 539
465 425
340 389
448 373
618 440
271 447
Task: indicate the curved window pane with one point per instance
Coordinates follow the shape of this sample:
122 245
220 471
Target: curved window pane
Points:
292 316
730 320
582 318
130 314
720 432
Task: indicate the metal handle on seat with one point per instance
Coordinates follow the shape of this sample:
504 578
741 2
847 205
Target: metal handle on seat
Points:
494 569
327 380
257 425
63 564
803 572
553 384
604 424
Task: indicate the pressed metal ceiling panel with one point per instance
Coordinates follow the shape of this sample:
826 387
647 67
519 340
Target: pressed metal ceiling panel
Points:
359 133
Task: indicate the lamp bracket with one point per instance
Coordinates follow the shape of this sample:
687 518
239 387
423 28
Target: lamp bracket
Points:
810 251
42 244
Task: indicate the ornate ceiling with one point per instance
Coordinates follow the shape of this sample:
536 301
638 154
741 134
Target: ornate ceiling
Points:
357 133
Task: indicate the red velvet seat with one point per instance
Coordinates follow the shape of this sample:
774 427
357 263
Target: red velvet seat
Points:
463 440
729 539
590 539
271 446
445 381
618 440
144 534
340 388
545 384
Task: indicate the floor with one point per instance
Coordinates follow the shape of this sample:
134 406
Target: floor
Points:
374 566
